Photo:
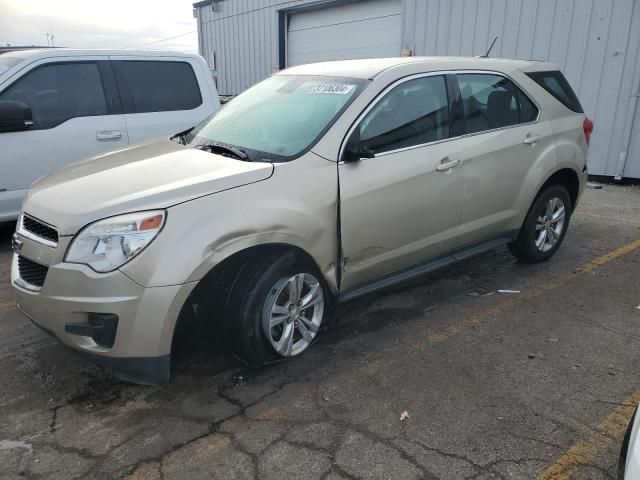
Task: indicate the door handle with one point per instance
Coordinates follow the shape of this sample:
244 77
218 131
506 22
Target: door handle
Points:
109 135
446 163
529 139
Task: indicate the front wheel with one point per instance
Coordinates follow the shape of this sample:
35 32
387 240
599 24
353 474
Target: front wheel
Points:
280 306
544 227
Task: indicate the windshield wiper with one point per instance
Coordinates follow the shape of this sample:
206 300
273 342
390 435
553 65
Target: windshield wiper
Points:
224 149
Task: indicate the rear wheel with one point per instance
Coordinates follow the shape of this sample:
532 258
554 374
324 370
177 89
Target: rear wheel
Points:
544 227
279 305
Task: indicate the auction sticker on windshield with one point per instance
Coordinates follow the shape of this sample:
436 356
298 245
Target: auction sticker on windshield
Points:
332 88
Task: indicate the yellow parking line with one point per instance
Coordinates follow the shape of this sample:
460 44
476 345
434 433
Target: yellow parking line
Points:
608 431
618 252
7 304
511 301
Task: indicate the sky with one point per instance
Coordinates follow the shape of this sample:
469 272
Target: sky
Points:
142 24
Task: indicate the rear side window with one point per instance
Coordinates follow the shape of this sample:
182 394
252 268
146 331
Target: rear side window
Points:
153 86
492 101
555 83
413 113
59 92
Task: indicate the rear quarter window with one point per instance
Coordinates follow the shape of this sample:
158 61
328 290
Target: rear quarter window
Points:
557 85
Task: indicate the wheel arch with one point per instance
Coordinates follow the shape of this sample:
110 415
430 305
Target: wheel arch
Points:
566 177
216 284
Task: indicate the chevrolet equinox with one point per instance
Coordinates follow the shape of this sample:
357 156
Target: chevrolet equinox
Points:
322 183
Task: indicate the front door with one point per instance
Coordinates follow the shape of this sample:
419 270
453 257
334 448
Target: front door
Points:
73 116
403 205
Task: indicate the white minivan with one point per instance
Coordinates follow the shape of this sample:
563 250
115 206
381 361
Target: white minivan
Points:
58 106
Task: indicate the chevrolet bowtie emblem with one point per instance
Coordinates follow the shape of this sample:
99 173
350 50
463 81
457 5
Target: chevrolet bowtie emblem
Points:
16 243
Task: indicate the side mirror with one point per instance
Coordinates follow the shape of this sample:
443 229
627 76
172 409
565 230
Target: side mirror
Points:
15 116
355 150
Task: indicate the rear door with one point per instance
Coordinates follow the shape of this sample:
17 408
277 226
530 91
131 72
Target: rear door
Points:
161 95
76 114
501 141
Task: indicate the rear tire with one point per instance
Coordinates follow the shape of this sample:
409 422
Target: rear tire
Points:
544 227
278 305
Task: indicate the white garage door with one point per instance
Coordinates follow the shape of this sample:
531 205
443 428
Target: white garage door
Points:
362 29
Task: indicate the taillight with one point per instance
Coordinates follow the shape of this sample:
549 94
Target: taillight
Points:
587 126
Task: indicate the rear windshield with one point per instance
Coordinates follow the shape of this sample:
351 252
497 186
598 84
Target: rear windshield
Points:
555 83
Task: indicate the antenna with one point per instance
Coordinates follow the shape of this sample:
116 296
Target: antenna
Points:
486 55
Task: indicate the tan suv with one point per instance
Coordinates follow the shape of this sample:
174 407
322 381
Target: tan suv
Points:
324 182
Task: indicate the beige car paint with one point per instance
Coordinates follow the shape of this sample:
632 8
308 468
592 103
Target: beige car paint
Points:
146 176
396 208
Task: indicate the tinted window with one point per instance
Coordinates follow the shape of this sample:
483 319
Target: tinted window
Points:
555 83
491 101
413 113
59 92
148 86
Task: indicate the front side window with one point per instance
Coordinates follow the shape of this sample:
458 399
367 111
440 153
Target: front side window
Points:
59 92
492 101
413 113
280 117
155 86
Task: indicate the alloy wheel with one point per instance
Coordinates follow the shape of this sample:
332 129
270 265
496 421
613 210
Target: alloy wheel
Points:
293 313
550 224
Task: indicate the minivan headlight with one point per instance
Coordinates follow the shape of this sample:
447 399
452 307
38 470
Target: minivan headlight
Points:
110 243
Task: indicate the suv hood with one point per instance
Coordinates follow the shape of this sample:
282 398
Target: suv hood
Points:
148 176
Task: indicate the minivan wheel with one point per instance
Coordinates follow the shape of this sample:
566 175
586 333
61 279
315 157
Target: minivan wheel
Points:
544 227
279 305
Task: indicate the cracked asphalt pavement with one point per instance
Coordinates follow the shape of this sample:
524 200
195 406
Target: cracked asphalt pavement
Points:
496 385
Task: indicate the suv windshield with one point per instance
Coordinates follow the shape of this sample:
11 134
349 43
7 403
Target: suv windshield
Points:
279 118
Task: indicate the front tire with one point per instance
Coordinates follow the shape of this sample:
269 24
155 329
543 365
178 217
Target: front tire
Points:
279 305
544 227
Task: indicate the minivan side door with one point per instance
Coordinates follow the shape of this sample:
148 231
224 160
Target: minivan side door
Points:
500 143
161 96
76 114
404 204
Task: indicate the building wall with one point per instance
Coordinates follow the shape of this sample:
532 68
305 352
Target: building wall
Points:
596 43
244 36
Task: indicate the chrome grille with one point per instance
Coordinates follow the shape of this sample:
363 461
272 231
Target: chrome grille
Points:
39 229
31 272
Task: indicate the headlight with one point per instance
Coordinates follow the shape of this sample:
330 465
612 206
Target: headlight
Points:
110 243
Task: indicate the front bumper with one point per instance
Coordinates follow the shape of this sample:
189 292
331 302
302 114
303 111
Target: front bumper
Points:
72 292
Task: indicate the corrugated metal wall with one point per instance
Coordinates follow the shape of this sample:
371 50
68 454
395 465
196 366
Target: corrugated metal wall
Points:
596 42
244 36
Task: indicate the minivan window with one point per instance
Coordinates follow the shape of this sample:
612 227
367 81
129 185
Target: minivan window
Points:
492 101
59 92
413 113
280 117
155 86
555 83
